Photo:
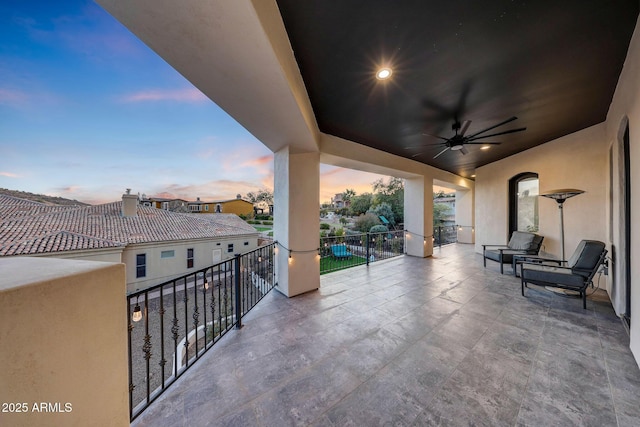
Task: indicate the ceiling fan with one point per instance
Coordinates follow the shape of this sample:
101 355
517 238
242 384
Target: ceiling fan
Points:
458 141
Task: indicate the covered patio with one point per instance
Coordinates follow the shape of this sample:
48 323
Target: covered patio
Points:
414 341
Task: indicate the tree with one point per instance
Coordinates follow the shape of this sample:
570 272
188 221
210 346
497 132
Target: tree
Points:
392 193
385 210
348 194
364 222
261 198
440 212
361 204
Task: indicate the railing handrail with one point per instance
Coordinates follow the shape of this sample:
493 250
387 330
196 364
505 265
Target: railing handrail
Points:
189 314
151 288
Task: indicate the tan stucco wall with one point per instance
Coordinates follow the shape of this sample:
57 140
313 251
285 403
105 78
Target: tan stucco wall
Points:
577 161
63 331
626 105
238 207
106 255
162 269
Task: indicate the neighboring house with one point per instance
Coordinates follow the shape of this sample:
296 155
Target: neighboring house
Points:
155 244
236 206
449 217
173 205
338 201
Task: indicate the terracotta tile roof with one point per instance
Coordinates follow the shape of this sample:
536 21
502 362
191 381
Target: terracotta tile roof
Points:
56 242
51 229
13 207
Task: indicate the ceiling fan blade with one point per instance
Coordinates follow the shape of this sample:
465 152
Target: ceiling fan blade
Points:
465 127
436 136
496 134
416 155
442 152
463 150
411 147
482 143
494 126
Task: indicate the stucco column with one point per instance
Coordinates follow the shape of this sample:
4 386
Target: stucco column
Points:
296 221
418 215
465 216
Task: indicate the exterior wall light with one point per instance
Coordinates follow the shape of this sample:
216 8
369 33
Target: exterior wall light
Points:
137 313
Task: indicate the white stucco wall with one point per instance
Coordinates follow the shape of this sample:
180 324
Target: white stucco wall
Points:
626 105
577 161
296 225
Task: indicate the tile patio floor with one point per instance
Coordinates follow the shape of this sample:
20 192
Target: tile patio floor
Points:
410 341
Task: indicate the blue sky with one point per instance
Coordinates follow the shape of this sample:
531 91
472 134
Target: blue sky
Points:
87 110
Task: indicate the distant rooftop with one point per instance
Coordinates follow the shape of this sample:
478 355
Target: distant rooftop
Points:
28 227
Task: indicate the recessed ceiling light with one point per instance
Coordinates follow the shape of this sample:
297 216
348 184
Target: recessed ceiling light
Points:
473 176
383 73
485 147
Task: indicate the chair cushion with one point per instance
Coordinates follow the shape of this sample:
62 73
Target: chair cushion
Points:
507 255
521 240
552 275
586 255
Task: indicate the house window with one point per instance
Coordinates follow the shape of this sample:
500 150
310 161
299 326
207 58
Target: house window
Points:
218 208
246 243
141 265
230 247
195 208
206 207
165 206
190 258
167 254
523 202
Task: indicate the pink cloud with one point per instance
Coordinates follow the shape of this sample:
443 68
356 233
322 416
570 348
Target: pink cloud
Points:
178 95
221 189
9 175
13 98
260 161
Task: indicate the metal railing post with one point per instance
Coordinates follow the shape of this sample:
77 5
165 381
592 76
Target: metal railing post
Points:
439 236
238 305
367 252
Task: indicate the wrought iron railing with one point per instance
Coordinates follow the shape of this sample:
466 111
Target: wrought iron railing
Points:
340 252
173 324
444 235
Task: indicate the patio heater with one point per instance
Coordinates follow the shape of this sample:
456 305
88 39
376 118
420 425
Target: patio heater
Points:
561 196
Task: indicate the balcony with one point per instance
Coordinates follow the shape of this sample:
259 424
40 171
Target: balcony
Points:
413 341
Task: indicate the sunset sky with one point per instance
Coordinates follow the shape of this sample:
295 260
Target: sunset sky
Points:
87 110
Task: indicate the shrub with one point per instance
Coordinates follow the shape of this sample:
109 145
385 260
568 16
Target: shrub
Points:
267 222
324 226
364 222
378 229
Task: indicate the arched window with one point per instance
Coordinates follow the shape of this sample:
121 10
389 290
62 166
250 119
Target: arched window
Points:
523 202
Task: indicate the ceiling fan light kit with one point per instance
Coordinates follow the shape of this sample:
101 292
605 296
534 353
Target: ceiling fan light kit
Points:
458 141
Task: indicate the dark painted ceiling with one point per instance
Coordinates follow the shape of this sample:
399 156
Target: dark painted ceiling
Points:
552 63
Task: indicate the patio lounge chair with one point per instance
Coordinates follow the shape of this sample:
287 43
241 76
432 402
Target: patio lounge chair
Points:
576 275
521 243
340 252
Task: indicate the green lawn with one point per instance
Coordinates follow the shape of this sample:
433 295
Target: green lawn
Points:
262 228
329 263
